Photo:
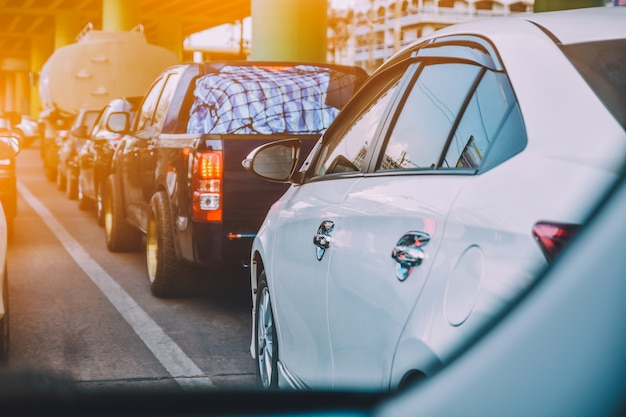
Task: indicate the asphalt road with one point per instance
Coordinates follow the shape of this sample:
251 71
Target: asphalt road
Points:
87 315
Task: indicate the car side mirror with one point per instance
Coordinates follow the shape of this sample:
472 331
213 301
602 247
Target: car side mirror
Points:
274 161
118 122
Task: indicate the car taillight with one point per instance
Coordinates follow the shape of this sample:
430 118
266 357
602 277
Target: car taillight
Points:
552 237
207 186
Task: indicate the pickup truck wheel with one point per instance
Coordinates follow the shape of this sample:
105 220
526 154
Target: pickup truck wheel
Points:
168 277
120 236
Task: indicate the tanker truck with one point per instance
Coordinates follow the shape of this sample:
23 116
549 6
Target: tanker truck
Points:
87 75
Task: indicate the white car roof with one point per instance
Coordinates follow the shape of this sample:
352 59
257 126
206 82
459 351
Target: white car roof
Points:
567 26
564 26
583 25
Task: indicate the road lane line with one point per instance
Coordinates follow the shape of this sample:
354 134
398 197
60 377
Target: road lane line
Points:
186 373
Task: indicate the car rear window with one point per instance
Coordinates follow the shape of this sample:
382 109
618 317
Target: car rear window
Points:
603 65
302 99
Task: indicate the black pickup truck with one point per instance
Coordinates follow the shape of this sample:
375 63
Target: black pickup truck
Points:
176 176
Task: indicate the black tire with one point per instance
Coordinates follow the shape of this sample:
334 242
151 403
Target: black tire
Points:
265 338
99 203
168 276
61 180
84 202
4 322
51 174
71 187
120 236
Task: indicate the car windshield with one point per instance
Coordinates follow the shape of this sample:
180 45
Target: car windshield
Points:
89 119
290 237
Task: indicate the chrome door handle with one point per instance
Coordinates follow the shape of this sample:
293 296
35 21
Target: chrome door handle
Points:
322 241
322 238
408 253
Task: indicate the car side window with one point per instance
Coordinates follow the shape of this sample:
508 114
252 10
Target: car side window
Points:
347 147
427 117
149 105
491 113
91 117
164 101
101 122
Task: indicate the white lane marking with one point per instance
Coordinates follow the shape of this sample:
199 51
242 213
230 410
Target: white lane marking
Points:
186 373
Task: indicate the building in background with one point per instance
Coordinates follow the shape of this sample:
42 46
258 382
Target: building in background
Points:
367 32
374 30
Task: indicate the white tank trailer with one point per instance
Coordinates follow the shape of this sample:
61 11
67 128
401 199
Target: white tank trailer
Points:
100 66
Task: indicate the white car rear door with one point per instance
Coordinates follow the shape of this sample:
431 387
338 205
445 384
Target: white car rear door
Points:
392 222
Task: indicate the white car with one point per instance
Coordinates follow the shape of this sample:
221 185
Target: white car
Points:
445 185
8 149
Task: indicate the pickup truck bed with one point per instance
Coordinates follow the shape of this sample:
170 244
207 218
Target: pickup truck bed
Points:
176 176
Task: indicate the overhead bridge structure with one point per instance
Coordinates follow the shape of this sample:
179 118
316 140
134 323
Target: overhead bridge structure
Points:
30 31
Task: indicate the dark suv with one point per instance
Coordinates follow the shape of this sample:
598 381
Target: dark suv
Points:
53 127
67 168
176 177
94 158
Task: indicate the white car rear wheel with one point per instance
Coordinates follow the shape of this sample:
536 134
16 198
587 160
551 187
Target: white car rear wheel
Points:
266 341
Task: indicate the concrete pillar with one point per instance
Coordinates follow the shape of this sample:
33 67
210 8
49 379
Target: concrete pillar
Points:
66 29
289 30
124 15
120 15
170 36
22 92
9 92
41 47
2 93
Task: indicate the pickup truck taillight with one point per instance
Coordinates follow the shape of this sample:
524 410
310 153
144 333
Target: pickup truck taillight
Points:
207 186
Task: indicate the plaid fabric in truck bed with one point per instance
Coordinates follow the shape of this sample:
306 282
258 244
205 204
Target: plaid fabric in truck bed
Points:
262 100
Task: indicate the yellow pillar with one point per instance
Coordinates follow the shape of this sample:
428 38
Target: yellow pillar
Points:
170 36
22 92
41 48
9 92
12 90
124 15
66 28
289 30
120 15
